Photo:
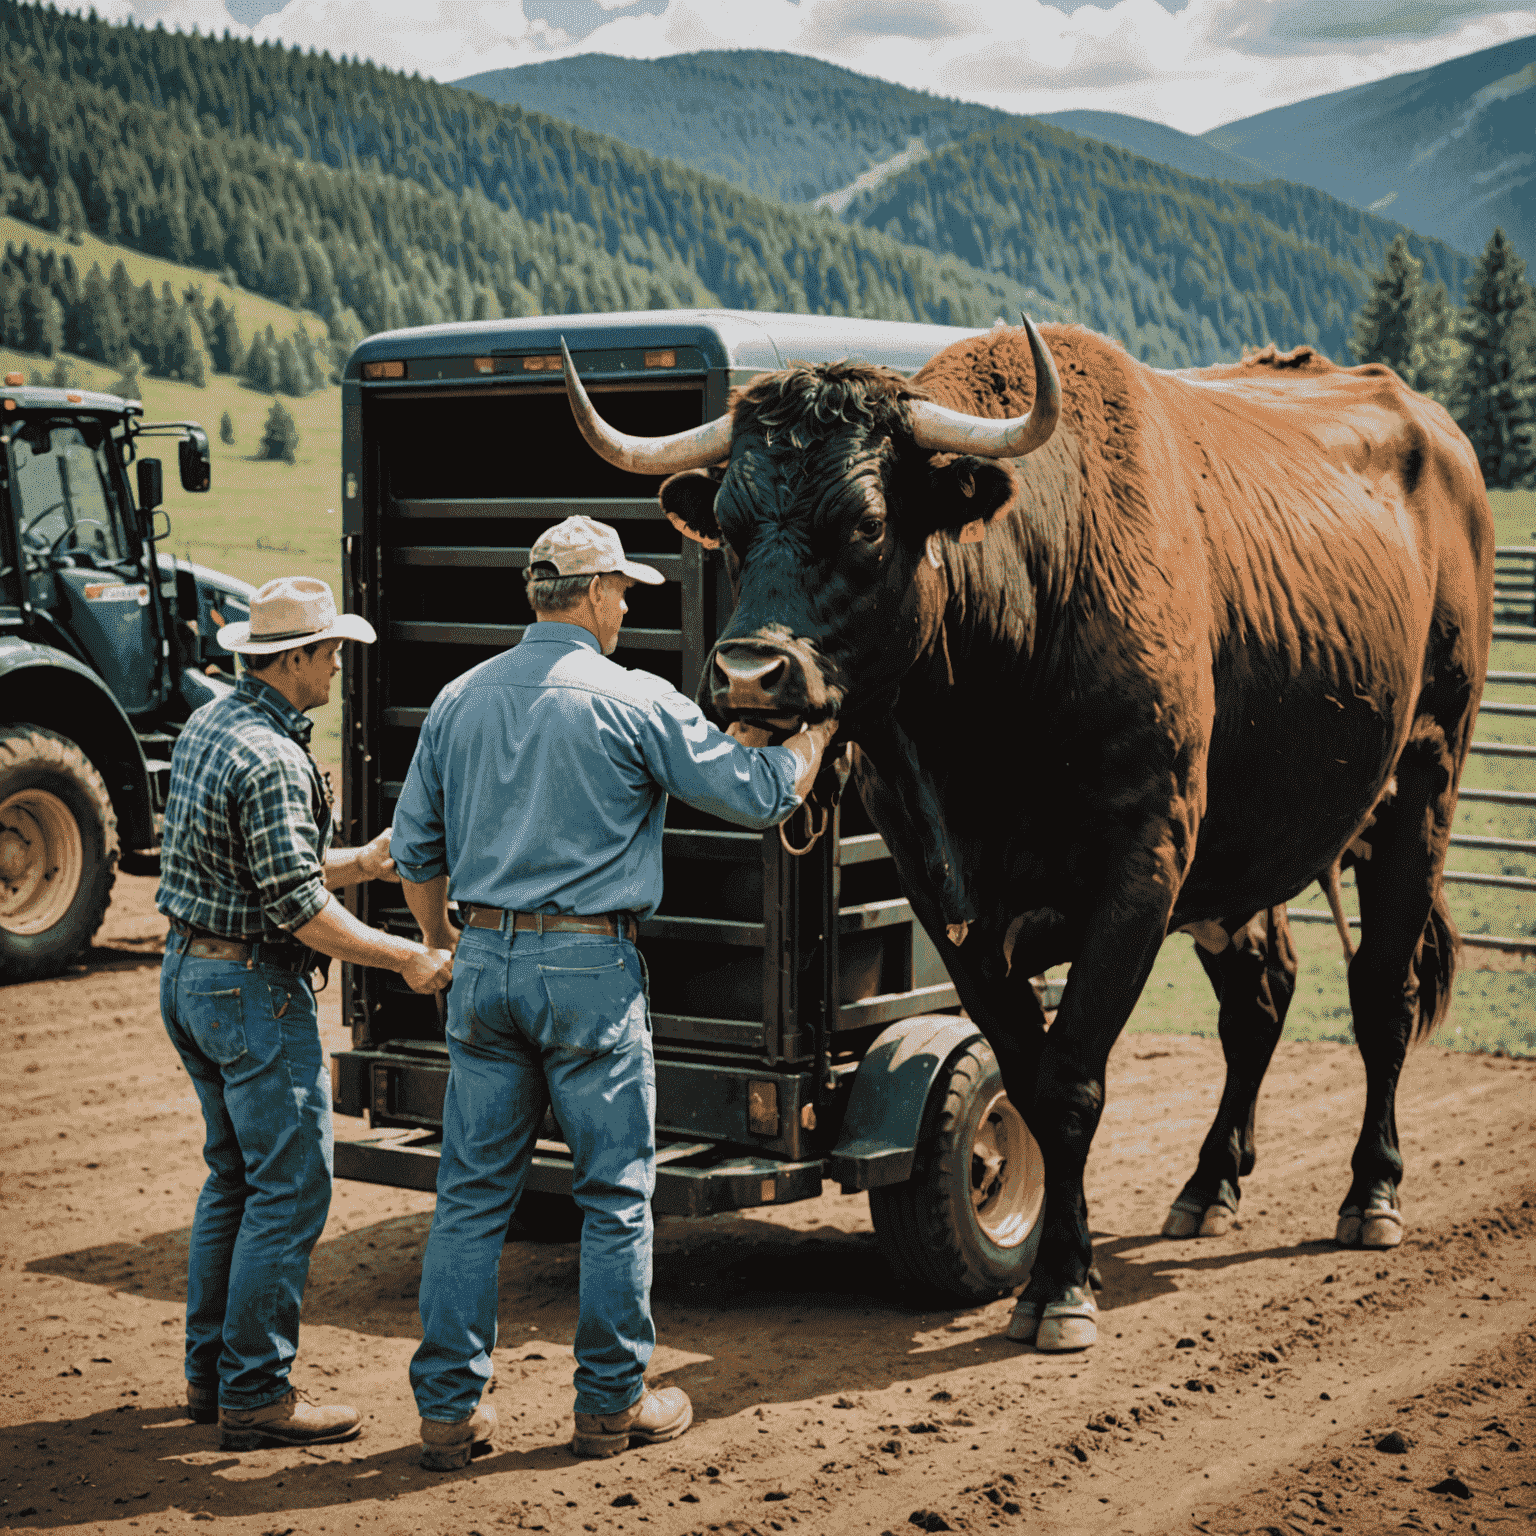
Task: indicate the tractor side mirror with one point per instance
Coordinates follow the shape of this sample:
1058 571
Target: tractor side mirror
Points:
196 463
160 525
151 485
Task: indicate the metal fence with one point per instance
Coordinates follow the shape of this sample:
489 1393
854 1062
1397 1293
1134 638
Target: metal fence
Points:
1514 619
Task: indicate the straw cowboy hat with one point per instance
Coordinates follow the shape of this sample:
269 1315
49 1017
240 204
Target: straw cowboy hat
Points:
291 611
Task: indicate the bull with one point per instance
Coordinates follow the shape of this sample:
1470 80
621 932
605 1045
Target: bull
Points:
1251 604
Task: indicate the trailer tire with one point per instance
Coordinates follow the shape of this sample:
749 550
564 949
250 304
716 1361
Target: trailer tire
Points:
58 852
966 1225
545 1218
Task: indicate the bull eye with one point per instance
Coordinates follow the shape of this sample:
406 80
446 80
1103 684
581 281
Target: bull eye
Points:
871 528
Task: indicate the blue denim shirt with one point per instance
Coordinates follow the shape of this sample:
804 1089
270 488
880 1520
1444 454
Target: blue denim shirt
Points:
540 780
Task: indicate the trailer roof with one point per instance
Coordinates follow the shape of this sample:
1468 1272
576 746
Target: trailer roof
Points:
731 339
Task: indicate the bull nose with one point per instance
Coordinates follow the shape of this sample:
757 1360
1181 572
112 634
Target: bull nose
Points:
747 679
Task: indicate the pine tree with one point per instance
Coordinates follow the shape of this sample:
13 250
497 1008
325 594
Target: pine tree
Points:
292 376
224 344
227 430
1493 395
261 364
99 328
280 435
1387 327
129 385
1438 348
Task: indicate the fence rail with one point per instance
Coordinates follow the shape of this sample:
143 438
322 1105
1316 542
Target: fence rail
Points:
1514 584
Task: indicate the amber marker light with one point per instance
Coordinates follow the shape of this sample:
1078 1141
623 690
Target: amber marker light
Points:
667 359
384 370
542 364
15 380
74 397
485 365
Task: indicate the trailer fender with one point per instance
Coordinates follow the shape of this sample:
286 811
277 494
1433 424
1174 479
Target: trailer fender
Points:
890 1091
42 685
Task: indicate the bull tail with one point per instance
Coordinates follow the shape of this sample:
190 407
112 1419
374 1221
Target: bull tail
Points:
1330 885
1434 967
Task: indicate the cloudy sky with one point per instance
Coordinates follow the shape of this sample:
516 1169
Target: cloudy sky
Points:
1192 64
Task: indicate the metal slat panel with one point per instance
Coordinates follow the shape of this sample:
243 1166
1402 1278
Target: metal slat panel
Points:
1498 707
425 633
495 557
733 846
886 1007
1505 844
1504 882
605 509
1525 678
681 1026
862 849
702 930
1525 632
874 914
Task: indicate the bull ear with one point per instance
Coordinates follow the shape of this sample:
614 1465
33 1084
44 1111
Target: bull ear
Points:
965 494
688 500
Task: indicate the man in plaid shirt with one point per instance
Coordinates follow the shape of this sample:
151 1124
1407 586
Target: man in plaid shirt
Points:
247 871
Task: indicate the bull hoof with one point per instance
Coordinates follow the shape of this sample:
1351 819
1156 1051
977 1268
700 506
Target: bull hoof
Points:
1025 1321
1381 1228
1216 1222
1378 1226
1181 1223
1069 1324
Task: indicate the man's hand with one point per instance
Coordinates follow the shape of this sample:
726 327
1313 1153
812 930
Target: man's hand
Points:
431 970
748 735
808 747
374 861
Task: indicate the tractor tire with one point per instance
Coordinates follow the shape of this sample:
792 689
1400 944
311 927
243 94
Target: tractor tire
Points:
965 1226
542 1218
58 852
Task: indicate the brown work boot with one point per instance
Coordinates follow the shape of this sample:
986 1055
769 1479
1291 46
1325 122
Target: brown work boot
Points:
447 1447
202 1403
652 1418
289 1421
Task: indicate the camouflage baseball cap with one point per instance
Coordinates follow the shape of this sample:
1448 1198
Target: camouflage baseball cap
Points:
582 546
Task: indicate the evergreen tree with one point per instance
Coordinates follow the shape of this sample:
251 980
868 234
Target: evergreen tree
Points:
261 364
280 435
1387 327
1438 348
224 344
1493 395
42 320
128 384
292 376
227 430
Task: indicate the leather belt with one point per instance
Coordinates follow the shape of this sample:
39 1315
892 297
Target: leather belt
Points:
619 925
210 946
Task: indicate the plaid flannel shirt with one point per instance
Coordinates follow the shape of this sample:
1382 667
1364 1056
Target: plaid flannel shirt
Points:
247 820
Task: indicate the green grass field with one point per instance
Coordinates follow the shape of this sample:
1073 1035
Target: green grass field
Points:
264 519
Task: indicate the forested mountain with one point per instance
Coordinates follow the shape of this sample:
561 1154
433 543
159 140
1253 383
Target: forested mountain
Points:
380 200
1167 146
780 124
1182 270
1450 151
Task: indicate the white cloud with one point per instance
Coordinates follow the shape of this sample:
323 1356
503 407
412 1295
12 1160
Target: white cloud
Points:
1194 67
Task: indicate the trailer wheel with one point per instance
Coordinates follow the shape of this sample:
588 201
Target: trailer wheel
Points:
542 1218
966 1225
58 852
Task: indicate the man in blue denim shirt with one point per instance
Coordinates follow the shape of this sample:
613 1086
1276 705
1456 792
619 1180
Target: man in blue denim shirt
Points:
247 869
538 790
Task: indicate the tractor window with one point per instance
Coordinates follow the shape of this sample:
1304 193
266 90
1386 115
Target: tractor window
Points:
63 496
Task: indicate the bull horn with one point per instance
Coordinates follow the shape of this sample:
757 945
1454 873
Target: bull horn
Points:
693 449
946 431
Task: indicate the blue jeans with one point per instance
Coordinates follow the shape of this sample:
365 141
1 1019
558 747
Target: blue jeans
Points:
562 1013
250 1041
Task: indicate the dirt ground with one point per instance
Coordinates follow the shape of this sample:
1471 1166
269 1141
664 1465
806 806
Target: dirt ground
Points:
1241 1384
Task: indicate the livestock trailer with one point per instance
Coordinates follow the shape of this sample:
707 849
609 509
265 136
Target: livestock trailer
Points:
803 1024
